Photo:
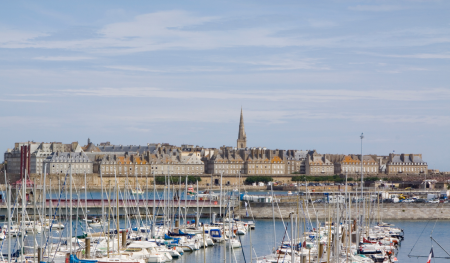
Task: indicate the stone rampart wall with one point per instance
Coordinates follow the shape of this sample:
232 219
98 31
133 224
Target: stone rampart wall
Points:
405 211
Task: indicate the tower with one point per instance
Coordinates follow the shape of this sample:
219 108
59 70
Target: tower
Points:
242 137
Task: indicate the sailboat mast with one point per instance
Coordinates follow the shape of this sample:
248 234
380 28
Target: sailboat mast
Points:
179 202
198 216
273 215
24 186
220 208
85 200
9 223
239 192
117 215
34 220
362 181
146 207
154 205
109 217
44 200
103 203
185 203
70 211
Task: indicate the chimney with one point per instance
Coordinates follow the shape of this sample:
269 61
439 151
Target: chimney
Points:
21 160
29 159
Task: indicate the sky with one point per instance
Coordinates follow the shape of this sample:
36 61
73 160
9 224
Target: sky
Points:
307 74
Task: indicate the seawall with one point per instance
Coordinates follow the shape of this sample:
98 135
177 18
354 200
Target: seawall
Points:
400 211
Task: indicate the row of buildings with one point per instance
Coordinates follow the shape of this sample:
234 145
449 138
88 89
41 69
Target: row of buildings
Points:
159 159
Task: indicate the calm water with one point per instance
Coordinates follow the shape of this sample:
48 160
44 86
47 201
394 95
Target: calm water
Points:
417 235
263 240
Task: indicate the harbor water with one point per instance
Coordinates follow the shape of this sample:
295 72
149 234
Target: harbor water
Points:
417 241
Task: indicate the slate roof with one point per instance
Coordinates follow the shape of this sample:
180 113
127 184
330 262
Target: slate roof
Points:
128 148
69 157
407 159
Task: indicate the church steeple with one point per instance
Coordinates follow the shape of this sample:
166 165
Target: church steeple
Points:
242 137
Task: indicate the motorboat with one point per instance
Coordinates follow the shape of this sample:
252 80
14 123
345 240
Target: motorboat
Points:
233 243
145 250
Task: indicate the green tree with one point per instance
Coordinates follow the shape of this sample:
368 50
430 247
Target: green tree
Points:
255 179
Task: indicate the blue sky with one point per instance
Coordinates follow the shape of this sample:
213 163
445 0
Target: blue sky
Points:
308 74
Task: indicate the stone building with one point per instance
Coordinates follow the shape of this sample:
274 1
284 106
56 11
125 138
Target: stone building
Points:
227 161
406 164
351 164
254 161
59 163
163 162
295 161
263 161
318 164
12 157
39 151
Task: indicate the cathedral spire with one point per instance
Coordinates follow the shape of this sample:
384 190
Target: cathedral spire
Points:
242 137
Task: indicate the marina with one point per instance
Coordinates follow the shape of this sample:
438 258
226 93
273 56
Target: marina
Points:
132 228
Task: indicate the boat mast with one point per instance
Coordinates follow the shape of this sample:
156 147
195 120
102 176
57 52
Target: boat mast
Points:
85 201
146 207
198 216
154 205
362 181
44 200
273 215
117 213
109 217
9 223
103 202
34 220
24 185
221 175
70 211
179 202
185 204
239 192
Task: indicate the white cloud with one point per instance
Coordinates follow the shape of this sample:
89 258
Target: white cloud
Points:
321 23
63 58
419 56
322 95
377 8
280 63
169 69
26 101
132 68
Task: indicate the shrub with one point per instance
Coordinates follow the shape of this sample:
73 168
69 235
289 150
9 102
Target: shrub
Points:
371 179
332 178
160 180
256 179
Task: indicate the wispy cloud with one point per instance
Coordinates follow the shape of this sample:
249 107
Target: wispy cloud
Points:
133 68
323 95
63 58
418 56
280 63
321 23
177 69
26 101
377 8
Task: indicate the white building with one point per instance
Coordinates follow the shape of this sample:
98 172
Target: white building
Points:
58 163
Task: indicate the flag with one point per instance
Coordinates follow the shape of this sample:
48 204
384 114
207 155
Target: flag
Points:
430 256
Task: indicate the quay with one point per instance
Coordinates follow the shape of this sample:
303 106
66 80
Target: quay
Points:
94 206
